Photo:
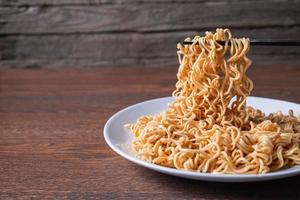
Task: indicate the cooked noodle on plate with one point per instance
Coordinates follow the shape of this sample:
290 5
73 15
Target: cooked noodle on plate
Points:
209 127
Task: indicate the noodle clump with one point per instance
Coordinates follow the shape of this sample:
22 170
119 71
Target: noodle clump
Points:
209 128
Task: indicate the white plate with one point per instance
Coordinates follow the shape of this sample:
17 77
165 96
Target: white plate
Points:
119 138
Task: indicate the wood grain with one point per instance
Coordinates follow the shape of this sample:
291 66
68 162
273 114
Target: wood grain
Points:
100 2
124 49
99 33
148 17
51 143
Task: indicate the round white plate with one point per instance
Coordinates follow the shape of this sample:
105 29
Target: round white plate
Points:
119 138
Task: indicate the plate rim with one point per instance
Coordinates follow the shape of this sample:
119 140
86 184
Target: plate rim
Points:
215 177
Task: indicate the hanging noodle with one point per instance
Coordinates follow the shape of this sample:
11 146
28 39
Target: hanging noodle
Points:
202 131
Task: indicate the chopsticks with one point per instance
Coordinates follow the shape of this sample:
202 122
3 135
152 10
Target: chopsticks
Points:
263 42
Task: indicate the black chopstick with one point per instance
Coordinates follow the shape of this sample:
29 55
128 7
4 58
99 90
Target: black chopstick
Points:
263 42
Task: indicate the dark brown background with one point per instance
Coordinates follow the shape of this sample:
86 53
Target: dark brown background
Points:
94 33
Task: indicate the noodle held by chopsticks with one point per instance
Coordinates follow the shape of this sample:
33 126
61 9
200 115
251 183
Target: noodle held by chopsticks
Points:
202 131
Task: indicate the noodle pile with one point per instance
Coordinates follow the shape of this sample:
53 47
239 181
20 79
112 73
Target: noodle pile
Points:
202 130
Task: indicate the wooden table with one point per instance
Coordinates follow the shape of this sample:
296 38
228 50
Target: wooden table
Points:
52 146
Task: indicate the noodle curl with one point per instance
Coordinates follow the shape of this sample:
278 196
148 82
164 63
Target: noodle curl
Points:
209 128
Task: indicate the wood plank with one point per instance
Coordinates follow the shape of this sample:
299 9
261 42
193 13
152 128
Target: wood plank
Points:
148 17
153 49
96 2
52 146
292 60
